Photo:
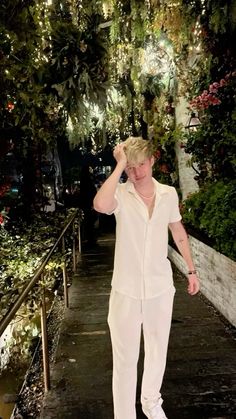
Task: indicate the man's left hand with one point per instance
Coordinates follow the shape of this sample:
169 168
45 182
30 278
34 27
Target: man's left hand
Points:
193 284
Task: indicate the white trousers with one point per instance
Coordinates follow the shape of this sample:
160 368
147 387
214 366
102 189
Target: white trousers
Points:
127 316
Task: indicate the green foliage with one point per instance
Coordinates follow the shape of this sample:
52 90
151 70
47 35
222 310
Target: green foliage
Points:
25 330
22 251
60 60
213 144
210 89
151 85
118 112
24 28
52 62
166 167
212 211
30 119
78 66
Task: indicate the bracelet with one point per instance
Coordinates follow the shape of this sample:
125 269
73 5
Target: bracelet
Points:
192 272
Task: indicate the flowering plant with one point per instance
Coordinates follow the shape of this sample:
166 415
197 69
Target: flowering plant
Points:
4 189
1 219
213 146
3 216
212 95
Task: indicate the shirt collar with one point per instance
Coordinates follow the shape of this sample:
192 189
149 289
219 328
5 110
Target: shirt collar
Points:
160 188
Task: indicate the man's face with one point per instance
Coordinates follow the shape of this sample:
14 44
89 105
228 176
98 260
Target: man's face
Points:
141 172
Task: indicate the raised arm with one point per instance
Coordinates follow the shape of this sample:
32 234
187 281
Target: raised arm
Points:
181 240
104 200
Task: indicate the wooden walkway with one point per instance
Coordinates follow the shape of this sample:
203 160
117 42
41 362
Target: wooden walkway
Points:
200 379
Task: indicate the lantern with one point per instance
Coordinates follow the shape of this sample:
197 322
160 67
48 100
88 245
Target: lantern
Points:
193 123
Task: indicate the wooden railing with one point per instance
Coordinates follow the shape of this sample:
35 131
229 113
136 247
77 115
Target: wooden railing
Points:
74 222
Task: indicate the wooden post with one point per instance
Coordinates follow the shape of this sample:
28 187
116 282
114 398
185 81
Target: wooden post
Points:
74 249
79 238
45 344
66 299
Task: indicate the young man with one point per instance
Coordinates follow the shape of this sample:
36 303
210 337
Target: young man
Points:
142 284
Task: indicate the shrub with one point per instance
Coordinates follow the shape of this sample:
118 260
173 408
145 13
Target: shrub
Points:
23 248
212 211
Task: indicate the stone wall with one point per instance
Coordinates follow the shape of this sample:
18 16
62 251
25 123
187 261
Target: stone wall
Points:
217 274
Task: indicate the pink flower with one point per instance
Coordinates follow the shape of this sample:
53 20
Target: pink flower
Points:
212 89
222 82
209 97
157 154
164 168
215 101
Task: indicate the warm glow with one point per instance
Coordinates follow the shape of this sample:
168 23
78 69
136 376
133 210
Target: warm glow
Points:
158 58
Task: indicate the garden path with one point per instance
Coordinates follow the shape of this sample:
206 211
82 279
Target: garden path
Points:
200 379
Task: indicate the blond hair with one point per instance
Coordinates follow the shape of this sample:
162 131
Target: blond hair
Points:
137 149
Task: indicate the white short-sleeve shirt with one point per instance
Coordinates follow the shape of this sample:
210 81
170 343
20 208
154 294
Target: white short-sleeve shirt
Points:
141 267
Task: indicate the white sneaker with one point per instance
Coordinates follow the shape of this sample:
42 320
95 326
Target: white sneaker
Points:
155 412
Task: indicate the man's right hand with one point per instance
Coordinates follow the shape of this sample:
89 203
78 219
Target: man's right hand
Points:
105 201
119 155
